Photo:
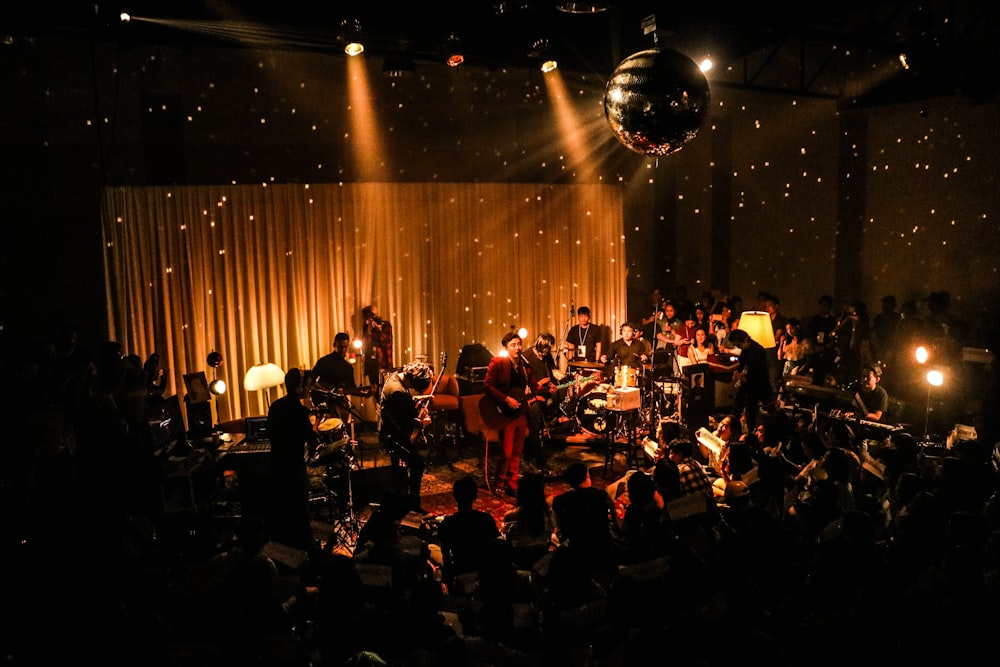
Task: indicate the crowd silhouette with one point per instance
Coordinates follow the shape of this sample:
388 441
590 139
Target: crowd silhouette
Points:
818 548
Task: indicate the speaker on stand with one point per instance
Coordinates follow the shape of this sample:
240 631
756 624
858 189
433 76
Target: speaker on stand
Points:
199 418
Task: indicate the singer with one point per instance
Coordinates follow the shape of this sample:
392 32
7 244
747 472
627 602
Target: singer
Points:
508 386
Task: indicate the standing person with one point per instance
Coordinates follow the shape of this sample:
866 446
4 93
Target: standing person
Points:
583 339
376 338
752 376
508 385
292 438
545 401
401 423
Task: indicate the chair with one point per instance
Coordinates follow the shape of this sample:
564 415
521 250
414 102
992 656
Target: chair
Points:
475 426
444 411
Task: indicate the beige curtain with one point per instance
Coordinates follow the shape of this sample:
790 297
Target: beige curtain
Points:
272 272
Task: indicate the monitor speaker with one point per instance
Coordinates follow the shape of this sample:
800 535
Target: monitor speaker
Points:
199 419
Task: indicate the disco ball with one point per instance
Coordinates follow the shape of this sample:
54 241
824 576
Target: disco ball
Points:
655 101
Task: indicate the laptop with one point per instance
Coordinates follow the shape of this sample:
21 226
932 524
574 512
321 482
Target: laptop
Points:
256 429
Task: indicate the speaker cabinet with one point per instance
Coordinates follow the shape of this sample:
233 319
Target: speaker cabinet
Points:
368 484
199 419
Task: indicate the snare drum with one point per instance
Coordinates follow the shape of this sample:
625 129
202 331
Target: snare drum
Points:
626 376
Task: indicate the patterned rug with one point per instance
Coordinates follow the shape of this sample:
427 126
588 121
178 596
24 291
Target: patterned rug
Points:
439 477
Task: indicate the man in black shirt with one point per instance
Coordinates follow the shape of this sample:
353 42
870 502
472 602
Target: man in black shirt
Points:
583 340
874 398
754 382
334 371
292 438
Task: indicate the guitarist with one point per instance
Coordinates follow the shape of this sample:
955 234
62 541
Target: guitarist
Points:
508 385
544 403
400 423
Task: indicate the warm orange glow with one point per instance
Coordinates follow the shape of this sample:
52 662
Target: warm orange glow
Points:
571 131
369 153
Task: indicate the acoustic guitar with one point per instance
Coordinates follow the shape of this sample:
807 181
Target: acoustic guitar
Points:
498 416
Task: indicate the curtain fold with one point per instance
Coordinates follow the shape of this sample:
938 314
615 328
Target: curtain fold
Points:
272 272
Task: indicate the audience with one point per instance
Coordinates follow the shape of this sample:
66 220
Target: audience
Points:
895 540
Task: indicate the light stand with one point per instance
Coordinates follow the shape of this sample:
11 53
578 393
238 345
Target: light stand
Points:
934 379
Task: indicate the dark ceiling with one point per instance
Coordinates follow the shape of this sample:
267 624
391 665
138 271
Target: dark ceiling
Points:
844 50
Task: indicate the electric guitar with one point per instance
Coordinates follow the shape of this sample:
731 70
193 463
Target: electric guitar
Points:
498 415
425 399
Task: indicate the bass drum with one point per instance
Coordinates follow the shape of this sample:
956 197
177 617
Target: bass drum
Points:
593 415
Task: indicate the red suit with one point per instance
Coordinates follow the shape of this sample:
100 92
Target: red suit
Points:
506 377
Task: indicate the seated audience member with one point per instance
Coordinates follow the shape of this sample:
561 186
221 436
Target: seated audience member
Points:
646 527
586 520
530 527
467 534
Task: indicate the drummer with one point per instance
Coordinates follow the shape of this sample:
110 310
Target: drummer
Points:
334 379
629 350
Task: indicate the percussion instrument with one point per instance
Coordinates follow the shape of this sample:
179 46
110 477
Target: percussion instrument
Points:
332 441
592 365
626 376
593 415
671 387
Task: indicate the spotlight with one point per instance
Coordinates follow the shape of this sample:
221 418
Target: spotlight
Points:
125 17
522 333
216 386
542 50
350 35
453 50
580 7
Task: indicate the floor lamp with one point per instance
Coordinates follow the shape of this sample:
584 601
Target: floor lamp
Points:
261 377
934 379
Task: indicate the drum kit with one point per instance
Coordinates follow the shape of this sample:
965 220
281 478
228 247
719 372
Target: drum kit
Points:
334 456
660 394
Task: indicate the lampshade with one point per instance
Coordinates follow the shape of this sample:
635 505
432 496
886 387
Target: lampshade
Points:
263 376
758 325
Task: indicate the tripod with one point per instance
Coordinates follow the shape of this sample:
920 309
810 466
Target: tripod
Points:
346 525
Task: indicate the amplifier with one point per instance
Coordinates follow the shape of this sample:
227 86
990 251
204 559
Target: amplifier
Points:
623 399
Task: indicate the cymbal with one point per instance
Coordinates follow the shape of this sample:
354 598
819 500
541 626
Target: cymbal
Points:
587 364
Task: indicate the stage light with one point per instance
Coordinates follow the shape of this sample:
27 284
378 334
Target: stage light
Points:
758 326
581 7
541 50
350 35
453 51
934 379
523 333
922 355
125 17
216 386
